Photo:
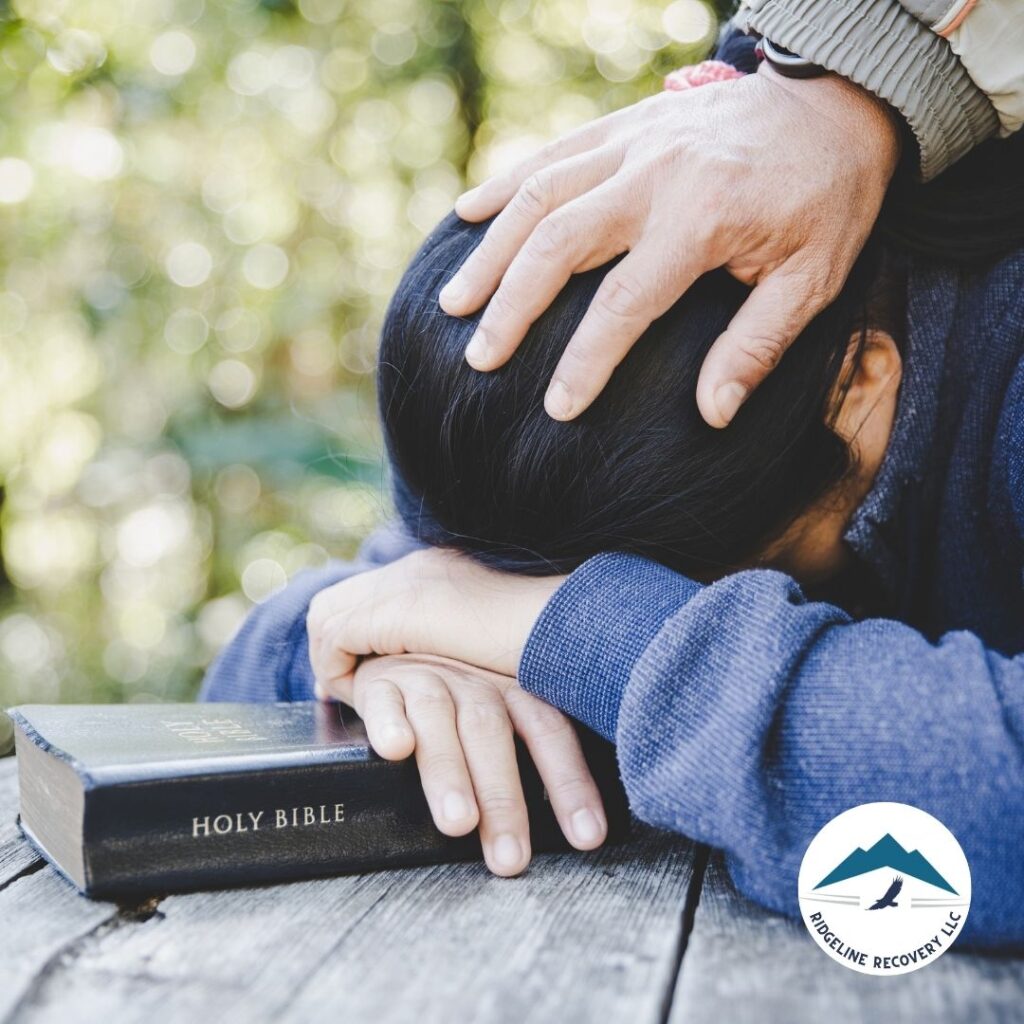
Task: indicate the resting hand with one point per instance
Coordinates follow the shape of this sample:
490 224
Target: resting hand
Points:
432 601
459 722
779 181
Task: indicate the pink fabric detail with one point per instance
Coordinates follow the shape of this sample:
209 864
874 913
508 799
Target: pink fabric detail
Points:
707 71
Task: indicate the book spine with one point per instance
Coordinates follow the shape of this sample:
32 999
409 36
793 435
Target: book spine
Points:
247 827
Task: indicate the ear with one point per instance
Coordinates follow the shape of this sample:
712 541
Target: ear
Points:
871 373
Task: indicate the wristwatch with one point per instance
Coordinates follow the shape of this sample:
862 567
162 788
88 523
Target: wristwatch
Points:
786 62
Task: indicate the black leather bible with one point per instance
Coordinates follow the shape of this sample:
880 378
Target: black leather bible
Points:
132 799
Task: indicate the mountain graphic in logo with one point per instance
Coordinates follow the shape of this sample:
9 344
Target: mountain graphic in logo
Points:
886 853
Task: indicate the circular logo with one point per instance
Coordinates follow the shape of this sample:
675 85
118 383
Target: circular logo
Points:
884 888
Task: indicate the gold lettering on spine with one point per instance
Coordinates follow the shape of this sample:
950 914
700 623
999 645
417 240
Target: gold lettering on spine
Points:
284 817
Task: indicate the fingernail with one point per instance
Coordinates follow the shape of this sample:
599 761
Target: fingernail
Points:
455 806
728 398
453 290
476 350
319 692
558 401
507 851
585 826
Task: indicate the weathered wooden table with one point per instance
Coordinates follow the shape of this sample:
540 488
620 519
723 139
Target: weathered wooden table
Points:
643 933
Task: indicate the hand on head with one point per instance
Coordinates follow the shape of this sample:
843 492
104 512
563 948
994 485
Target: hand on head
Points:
779 181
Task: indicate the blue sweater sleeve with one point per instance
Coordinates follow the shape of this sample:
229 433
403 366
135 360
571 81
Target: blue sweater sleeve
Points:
747 716
268 660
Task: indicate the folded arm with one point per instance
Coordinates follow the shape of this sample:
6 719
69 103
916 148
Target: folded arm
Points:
458 721
747 716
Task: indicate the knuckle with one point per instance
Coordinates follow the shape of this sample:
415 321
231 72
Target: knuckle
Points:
814 293
484 718
716 196
710 207
622 298
822 292
429 701
500 307
551 238
329 633
766 351
498 802
817 283
534 195
706 234
380 684
568 785
546 154
441 763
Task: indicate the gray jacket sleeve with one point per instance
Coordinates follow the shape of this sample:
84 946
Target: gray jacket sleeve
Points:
898 51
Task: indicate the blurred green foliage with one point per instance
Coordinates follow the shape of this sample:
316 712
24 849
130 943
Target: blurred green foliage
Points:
203 209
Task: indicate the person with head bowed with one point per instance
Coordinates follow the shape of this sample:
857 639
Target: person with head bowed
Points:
816 606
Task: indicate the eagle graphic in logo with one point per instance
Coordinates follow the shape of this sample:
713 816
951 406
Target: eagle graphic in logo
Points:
889 897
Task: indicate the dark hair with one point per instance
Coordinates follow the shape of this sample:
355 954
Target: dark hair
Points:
481 467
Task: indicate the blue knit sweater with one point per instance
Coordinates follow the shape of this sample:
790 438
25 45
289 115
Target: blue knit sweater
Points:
747 715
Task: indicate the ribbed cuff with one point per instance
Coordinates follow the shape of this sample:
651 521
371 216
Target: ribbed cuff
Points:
582 649
882 47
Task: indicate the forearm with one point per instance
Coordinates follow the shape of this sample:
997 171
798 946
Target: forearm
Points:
881 46
751 717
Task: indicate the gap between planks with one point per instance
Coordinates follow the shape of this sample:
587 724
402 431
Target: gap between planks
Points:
578 936
746 965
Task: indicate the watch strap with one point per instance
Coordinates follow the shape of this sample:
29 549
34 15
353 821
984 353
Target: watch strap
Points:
788 63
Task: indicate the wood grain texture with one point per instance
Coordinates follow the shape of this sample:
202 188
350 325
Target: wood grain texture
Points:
578 938
16 855
744 964
42 917
44 922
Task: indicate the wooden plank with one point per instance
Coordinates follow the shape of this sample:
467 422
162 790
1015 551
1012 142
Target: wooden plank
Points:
16 855
578 938
43 918
44 921
744 964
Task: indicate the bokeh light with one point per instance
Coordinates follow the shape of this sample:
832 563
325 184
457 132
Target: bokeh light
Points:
204 208
16 180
